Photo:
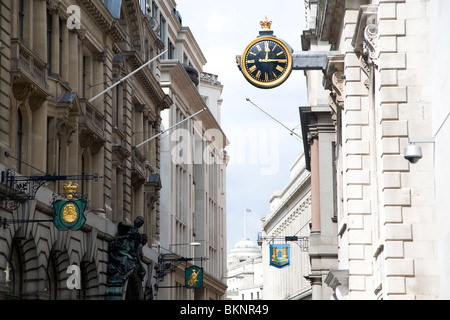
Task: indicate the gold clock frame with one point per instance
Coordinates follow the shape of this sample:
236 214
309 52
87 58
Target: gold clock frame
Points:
277 82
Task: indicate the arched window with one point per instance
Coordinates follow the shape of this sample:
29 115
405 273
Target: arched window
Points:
14 272
52 279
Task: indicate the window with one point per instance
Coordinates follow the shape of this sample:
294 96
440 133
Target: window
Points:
83 172
84 76
171 49
145 6
19 140
61 25
162 26
14 272
118 107
21 19
154 9
52 279
49 41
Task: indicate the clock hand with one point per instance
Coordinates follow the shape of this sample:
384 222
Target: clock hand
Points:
273 60
267 54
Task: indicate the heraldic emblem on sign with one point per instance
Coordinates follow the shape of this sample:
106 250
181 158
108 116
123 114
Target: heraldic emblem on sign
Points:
69 213
279 255
194 277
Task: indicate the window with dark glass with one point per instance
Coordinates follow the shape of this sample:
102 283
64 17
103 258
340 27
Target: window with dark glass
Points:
14 273
21 19
52 279
19 140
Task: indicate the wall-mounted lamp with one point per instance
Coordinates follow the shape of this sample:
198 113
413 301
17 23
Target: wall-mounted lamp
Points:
192 244
413 153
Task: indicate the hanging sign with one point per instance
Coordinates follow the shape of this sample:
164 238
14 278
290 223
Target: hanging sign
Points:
69 214
193 277
279 255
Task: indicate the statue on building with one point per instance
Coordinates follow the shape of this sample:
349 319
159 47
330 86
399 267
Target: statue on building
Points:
125 254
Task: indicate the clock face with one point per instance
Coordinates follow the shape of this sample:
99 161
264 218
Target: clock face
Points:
266 62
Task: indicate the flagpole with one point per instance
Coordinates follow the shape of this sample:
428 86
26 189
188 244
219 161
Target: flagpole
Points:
126 77
294 134
176 124
245 224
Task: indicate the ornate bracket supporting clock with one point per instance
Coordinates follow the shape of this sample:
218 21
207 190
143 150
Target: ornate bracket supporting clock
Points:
267 61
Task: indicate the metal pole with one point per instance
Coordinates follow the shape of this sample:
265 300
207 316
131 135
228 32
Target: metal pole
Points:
290 130
157 135
126 77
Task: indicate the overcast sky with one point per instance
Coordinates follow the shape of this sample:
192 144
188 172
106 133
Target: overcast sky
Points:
261 150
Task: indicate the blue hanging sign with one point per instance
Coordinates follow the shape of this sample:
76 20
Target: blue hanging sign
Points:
279 255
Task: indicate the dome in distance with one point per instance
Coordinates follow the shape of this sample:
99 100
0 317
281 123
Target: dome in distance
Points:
245 244
243 250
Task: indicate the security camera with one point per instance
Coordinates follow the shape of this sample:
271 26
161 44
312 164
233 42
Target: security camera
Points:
413 153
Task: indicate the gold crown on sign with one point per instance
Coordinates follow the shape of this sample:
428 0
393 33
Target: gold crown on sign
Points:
266 24
70 188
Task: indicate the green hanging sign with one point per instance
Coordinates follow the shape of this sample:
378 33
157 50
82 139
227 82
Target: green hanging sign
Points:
193 277
69 214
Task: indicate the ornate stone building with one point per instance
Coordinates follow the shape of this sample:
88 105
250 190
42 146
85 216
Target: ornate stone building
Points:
289 218
56 56
193 163
245 271
375 93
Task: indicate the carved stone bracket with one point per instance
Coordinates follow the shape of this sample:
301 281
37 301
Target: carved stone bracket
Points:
337 93
28 91
334 81
65 128
36 101
311 136
365 36
22 91
53 6
99 56
370 44
89 140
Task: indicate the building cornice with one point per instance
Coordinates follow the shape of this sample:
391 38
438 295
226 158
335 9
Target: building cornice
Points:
177 81
330 14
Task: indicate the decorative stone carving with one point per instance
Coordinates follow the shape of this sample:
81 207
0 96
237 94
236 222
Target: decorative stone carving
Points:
65 129
334 81
370 44
22 91
337 91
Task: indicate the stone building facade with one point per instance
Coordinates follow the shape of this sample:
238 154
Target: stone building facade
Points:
245 271
289 216
376 90
193 166
56 57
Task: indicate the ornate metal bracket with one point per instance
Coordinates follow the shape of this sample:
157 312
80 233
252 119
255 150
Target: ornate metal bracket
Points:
169 263
18 189
301 242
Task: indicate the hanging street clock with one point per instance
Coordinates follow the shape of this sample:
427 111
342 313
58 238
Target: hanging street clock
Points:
267 61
